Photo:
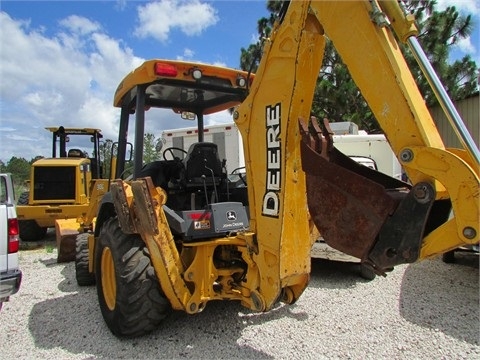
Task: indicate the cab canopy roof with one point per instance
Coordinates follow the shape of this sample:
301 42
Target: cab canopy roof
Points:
184 87
74 131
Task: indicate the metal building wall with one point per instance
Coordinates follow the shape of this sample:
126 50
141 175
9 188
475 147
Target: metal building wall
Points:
469 111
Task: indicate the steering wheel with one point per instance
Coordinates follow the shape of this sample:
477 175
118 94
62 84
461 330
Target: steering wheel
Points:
170 151
240 175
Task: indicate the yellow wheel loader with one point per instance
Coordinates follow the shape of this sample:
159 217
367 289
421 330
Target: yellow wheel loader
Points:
181 232
60 188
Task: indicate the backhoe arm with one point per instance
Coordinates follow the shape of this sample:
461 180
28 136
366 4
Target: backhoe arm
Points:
281 92
289 165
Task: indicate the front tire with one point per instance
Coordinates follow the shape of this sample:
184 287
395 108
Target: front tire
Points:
129 294
83 275
29 229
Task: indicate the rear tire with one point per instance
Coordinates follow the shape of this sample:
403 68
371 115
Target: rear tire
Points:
83 275
29 229
129 294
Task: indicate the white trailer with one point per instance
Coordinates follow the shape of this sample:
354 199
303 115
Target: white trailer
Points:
226 136
359 145
375 147
370 150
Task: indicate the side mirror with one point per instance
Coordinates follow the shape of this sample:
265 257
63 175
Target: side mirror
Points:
186 115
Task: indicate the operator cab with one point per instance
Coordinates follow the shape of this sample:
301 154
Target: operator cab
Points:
201 202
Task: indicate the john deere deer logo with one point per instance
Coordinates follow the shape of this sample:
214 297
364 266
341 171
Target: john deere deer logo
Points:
231 215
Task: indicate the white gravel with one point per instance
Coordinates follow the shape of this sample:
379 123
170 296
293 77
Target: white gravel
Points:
428 310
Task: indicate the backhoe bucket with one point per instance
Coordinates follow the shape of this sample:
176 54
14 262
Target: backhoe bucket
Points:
66 231
350 203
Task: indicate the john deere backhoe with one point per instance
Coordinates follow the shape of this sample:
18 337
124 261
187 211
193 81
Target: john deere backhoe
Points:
181 233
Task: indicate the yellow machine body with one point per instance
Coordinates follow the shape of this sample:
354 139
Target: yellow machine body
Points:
286 155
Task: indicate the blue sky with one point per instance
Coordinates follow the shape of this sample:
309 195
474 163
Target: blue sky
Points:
60 61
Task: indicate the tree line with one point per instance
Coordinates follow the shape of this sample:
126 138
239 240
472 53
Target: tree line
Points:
337 97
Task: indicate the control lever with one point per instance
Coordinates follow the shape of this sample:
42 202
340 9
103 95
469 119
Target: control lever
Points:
213 179
224 169
204 179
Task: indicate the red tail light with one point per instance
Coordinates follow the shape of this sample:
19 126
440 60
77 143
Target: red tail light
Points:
13 240
203 215
163 69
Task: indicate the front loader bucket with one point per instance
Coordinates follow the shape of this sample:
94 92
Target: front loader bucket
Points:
350 203
66 231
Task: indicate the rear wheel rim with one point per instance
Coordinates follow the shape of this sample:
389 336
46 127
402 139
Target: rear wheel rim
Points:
109 285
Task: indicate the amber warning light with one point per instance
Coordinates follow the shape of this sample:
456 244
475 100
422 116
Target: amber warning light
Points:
163 69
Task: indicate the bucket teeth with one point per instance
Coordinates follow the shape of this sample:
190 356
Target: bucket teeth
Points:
312 135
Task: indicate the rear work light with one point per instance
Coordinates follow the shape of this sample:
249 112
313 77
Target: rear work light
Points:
197 74
13 240
241 81
163 69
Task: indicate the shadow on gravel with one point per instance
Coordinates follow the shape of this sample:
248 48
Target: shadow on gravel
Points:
69 284
329 274
48 242
443 296
74 323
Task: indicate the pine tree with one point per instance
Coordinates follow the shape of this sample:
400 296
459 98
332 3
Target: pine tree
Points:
337 97
438 33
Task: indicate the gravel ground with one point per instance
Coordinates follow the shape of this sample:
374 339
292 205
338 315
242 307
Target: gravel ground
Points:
428 310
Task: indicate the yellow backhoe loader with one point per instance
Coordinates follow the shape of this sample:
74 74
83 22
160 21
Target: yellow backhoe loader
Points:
60 188
182 233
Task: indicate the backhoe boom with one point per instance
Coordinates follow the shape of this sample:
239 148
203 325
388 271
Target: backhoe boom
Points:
413 224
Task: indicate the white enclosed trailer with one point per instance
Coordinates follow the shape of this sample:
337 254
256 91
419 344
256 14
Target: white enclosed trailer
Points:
375 147
359 145
226 136
370 150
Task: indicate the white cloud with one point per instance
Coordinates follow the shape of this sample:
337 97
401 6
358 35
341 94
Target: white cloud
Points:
466 46
471 44
100 114
69 77
188 54
220 63
157 19
80 25
468 6
222 117
66 79
121 5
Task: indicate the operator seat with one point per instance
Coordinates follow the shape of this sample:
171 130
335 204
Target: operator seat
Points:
77 153
200 158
